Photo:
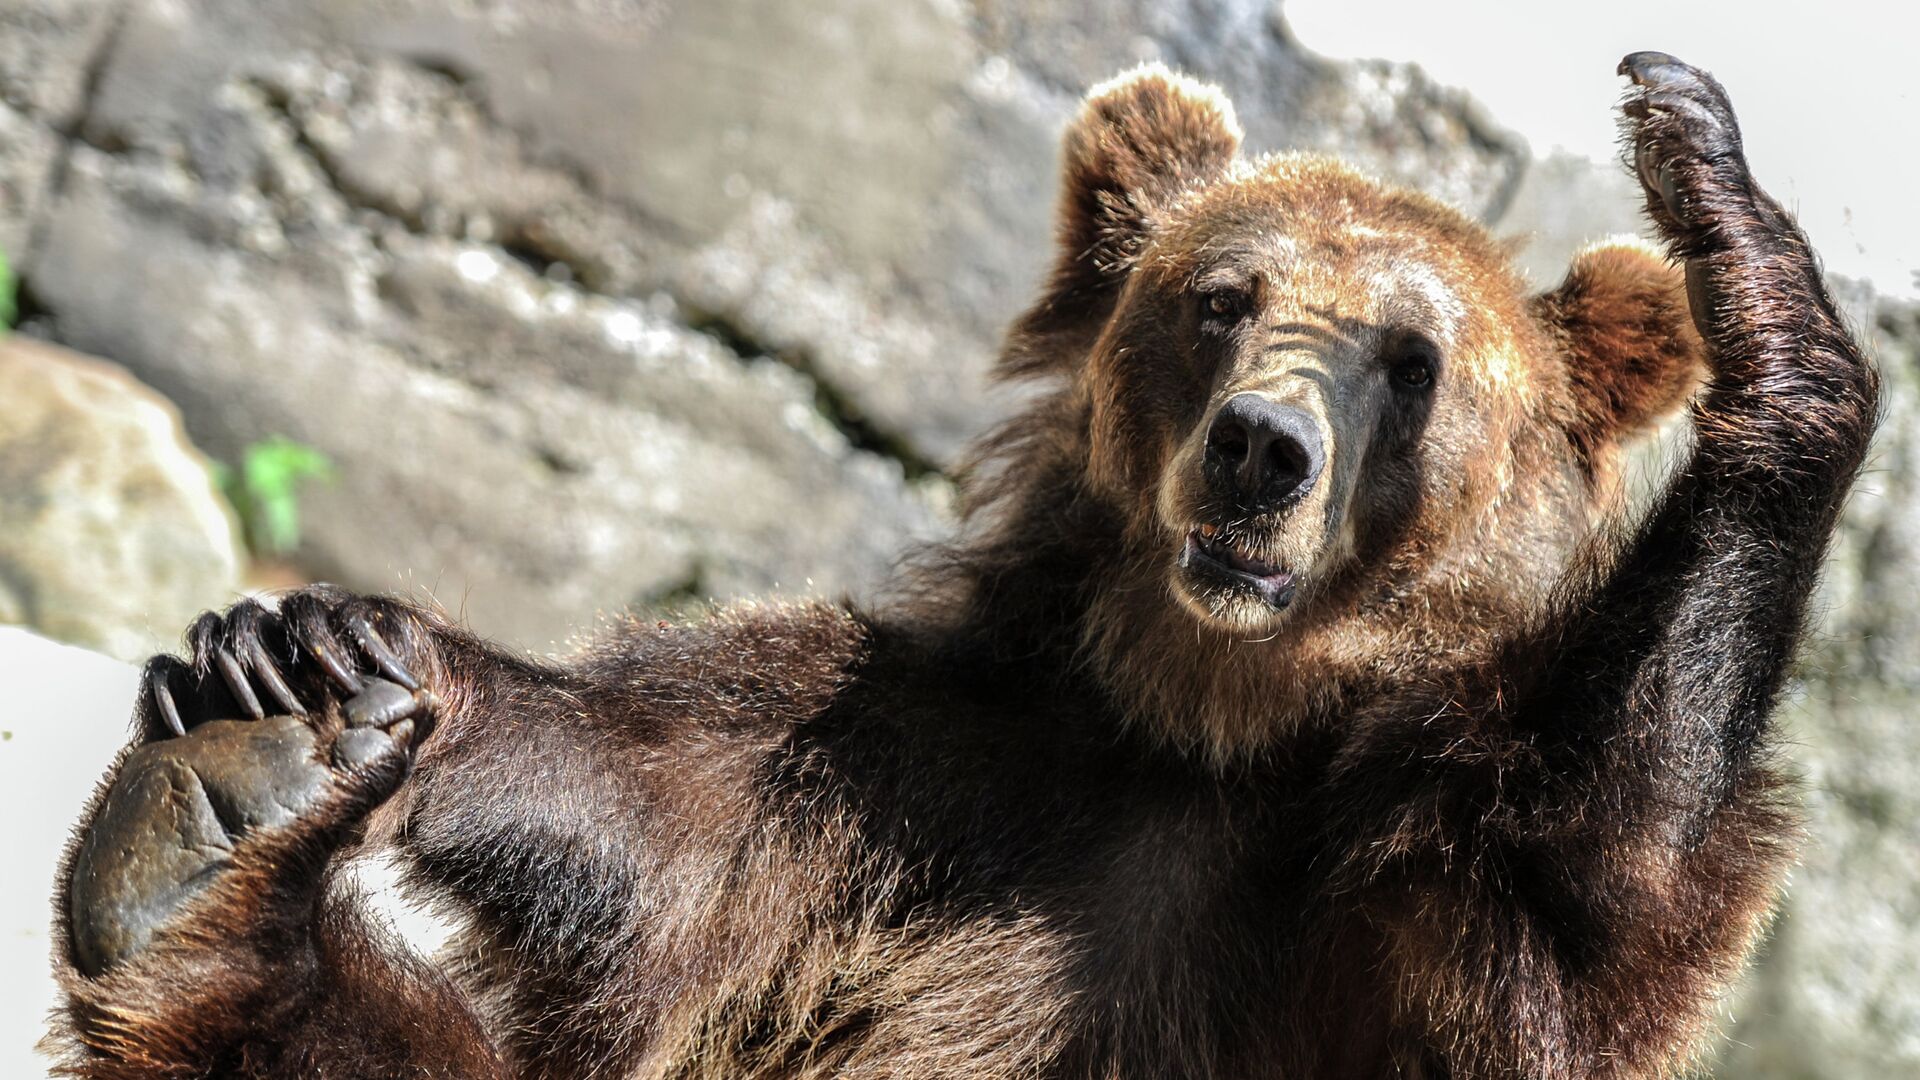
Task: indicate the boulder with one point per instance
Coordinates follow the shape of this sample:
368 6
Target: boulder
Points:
114 536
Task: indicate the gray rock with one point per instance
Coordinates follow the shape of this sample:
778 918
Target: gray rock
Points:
529 452
51 52
1565 203
598 304
28 152
113 536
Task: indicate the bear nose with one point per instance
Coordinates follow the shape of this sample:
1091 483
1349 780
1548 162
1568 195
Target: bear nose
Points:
1263 451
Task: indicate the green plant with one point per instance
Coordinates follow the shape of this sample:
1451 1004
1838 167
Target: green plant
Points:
265 491
9 289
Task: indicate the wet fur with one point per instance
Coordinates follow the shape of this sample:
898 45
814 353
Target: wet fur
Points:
1508 812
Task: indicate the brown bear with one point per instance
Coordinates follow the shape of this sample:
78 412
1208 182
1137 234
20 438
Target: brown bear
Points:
1293 702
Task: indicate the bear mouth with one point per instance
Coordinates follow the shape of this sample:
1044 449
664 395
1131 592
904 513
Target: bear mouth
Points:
1219 559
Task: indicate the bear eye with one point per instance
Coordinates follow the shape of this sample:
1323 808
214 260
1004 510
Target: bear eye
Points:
1223 306
1413 363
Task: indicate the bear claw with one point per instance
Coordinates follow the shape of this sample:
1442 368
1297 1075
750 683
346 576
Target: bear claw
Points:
1683 136
1647 67
251 662
162 696
377 649
269 676
237 682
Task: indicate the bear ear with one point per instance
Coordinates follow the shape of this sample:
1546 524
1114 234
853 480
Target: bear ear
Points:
1621 322
1139 141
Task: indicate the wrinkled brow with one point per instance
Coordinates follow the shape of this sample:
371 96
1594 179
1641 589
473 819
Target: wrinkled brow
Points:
1239 259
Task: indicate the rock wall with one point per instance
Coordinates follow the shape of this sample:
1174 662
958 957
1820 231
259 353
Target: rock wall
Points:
603 304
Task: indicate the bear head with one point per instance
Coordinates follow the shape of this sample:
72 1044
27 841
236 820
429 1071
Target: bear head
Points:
1339 438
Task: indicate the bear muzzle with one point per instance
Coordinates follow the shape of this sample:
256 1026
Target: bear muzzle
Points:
1219 560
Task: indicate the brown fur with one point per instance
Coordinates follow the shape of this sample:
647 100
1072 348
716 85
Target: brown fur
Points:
1490 796
1621 320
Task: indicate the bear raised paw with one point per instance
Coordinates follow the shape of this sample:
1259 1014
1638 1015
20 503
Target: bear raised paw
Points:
1289 705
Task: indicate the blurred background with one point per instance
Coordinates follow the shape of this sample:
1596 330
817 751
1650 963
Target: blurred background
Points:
552 309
